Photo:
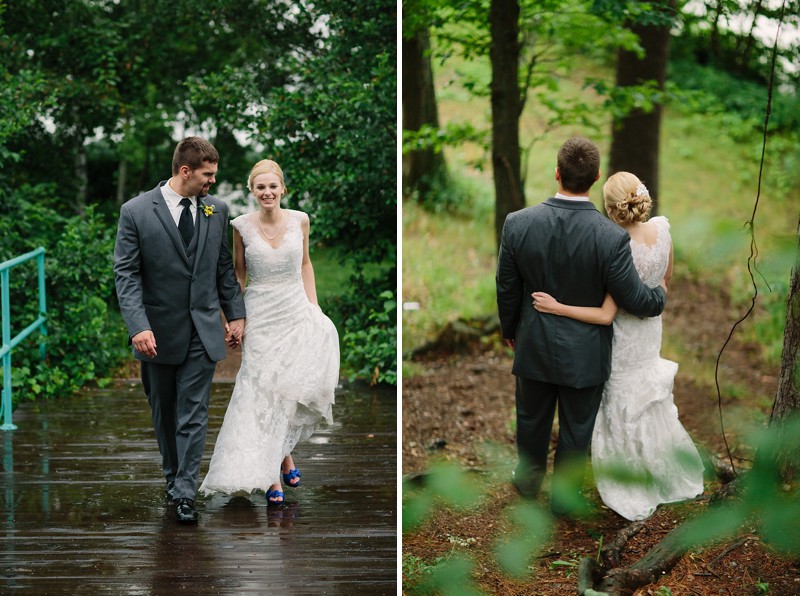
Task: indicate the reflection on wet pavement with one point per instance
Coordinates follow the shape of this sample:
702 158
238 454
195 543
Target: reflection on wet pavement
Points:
83 506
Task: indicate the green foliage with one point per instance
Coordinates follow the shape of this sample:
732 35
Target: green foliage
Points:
415 569
97 86
745 55
447 485
531 525
718 91
85 336
370 347
764 501
331 124
773 506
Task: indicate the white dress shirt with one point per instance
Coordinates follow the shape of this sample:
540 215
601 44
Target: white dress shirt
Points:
173 200
566 198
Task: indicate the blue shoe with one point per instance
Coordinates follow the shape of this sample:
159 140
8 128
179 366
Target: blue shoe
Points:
291 475
275 494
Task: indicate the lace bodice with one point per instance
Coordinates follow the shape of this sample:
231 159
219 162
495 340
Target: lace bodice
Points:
265 264
651 261
637 341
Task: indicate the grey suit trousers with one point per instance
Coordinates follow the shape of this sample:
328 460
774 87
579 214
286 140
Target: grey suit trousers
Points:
536 404
179 395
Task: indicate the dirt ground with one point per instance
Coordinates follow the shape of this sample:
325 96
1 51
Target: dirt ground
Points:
455 405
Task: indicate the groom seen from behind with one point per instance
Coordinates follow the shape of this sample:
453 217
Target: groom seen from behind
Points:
566 248
174 274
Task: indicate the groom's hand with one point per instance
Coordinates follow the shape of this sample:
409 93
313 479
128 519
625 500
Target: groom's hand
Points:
509 343
145 343
234 332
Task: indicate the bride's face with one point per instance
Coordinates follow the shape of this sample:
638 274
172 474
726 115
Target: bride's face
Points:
268 190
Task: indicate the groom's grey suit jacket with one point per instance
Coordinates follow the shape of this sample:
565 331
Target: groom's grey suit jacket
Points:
162 288
569 250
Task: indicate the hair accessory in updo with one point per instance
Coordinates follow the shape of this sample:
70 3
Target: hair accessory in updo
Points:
626 199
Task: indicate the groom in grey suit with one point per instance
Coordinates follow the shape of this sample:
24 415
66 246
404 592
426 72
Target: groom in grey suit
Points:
566 248
174 274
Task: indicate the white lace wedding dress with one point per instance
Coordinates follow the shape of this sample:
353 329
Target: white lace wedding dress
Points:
637 431
290 367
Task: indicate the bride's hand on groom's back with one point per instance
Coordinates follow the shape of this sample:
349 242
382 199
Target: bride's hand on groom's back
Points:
544 302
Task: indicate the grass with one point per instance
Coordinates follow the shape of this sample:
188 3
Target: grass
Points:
331 271
439 252
709 183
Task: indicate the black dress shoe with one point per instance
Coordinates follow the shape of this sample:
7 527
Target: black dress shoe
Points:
528 490
185 511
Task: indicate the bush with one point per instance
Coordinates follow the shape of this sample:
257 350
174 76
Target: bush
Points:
370 351
85 335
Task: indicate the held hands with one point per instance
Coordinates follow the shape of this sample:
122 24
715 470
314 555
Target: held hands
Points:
145 343
234 332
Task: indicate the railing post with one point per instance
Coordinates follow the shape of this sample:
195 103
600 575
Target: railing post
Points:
6 313
8 341
42 305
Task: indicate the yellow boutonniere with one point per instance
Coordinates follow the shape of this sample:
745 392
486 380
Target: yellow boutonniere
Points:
208 210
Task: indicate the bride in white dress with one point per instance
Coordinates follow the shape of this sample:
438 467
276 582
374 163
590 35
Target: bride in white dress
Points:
641 454
290 350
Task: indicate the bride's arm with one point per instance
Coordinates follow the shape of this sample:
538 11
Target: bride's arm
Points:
668 274
307 270
602 315
238 259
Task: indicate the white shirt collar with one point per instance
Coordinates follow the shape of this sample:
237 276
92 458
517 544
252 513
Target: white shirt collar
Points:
566 198
172 198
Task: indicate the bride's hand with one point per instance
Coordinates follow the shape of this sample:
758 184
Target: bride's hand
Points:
544 302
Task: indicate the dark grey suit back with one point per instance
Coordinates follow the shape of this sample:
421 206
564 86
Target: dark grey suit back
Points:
569 250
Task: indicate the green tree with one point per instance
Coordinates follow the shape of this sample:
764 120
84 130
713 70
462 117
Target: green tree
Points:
94 106
331 124
424 169
636 134
531 46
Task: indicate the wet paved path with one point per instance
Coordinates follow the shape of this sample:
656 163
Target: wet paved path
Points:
83 508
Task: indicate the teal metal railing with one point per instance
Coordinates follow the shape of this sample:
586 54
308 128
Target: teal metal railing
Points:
8 342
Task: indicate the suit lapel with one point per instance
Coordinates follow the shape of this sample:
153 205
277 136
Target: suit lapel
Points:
202 224
162 212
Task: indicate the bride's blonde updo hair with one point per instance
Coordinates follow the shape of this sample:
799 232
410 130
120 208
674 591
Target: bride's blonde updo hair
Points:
265 166
627 200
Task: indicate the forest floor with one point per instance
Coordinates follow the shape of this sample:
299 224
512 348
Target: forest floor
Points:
455 405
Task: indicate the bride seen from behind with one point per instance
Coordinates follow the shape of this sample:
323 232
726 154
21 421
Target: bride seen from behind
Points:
290 350
637 428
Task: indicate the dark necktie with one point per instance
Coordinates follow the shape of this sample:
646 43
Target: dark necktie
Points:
185 223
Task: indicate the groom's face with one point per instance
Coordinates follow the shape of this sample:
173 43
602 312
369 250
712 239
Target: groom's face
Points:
201 179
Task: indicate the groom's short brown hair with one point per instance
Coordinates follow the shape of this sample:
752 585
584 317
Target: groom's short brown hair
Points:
192 152
578 164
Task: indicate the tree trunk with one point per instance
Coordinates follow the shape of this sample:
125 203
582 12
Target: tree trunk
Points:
616 581
787 400
81 175
506 109
420 168
636 137
122 175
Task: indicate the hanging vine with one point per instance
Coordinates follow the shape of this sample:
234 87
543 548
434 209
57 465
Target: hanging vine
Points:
750 225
